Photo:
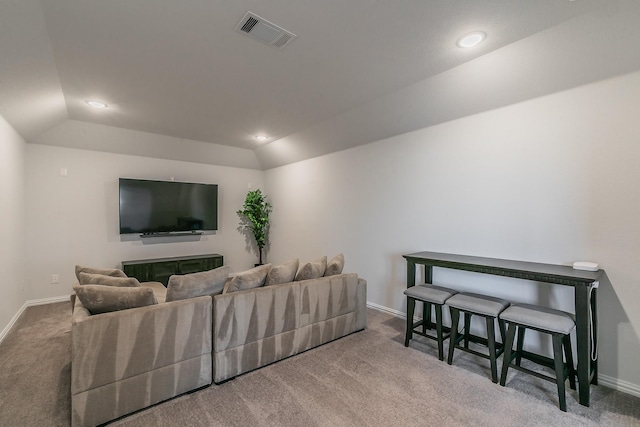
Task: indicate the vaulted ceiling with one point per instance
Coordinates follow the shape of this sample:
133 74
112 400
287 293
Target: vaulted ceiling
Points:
358 71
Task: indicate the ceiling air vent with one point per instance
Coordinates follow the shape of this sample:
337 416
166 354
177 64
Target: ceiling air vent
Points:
262 30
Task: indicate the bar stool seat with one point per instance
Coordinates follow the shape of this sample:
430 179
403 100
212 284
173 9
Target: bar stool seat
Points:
540 318
559 325
429 295
482 305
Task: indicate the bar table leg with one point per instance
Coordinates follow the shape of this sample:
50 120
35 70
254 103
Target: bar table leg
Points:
583 339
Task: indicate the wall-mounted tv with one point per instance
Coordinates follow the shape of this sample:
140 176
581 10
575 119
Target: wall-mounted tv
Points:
159 207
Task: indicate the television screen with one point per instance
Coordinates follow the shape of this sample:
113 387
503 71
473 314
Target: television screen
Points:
166 206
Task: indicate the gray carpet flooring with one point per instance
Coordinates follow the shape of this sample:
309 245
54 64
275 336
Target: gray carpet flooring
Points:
366 379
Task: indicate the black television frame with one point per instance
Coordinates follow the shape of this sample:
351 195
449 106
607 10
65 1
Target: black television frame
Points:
166 199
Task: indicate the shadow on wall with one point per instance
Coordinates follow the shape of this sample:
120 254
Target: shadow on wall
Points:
397 282
610 328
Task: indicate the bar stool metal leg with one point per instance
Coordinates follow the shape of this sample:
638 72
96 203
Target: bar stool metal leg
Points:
503 329
411 304
453 338
438 309
426 317
467 328
559 366
491 343
521 331
568 355
508 353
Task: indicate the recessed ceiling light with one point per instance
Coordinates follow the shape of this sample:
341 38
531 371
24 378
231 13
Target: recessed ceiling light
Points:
262 138
471 39
96 104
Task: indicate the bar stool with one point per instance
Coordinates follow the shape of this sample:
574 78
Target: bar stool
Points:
429 295
481 305
559 325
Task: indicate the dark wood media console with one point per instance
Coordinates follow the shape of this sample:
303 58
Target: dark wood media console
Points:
160 269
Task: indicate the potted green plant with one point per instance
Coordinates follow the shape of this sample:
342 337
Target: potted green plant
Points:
254 217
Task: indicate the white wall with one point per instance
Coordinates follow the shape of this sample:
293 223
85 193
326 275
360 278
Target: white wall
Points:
550 180
12 225
73 219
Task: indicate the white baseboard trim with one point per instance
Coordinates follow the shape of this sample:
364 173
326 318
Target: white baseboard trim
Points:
29 303
620 385
12 322
50 300
387 310
603 380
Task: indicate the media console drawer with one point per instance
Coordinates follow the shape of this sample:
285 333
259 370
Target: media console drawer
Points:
160 269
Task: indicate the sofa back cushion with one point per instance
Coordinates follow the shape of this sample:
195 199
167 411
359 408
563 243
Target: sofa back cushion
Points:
99 279
197 284
335 266
113 272
283 273
136 347
249 279
99 299
240 318
312 269
327 297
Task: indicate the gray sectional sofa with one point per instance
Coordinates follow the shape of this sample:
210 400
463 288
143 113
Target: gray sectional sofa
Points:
259 326
127 360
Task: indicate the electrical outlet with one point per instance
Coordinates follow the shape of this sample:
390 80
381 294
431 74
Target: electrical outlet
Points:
55 279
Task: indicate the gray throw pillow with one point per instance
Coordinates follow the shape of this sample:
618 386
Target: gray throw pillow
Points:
197 284
105 299
313 269
99 279
283 273
249 279
113 272
335 266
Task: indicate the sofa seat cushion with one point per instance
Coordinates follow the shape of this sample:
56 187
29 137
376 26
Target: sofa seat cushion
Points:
113 272
283 273
99 299
249 279
99 279
197 284
312 269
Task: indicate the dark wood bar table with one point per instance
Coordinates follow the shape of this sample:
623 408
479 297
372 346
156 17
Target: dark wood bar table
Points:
583 282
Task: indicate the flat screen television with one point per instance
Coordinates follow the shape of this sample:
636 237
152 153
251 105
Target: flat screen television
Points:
161 207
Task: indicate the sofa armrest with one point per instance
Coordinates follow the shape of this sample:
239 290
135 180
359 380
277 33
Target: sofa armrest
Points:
110 347
159 290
